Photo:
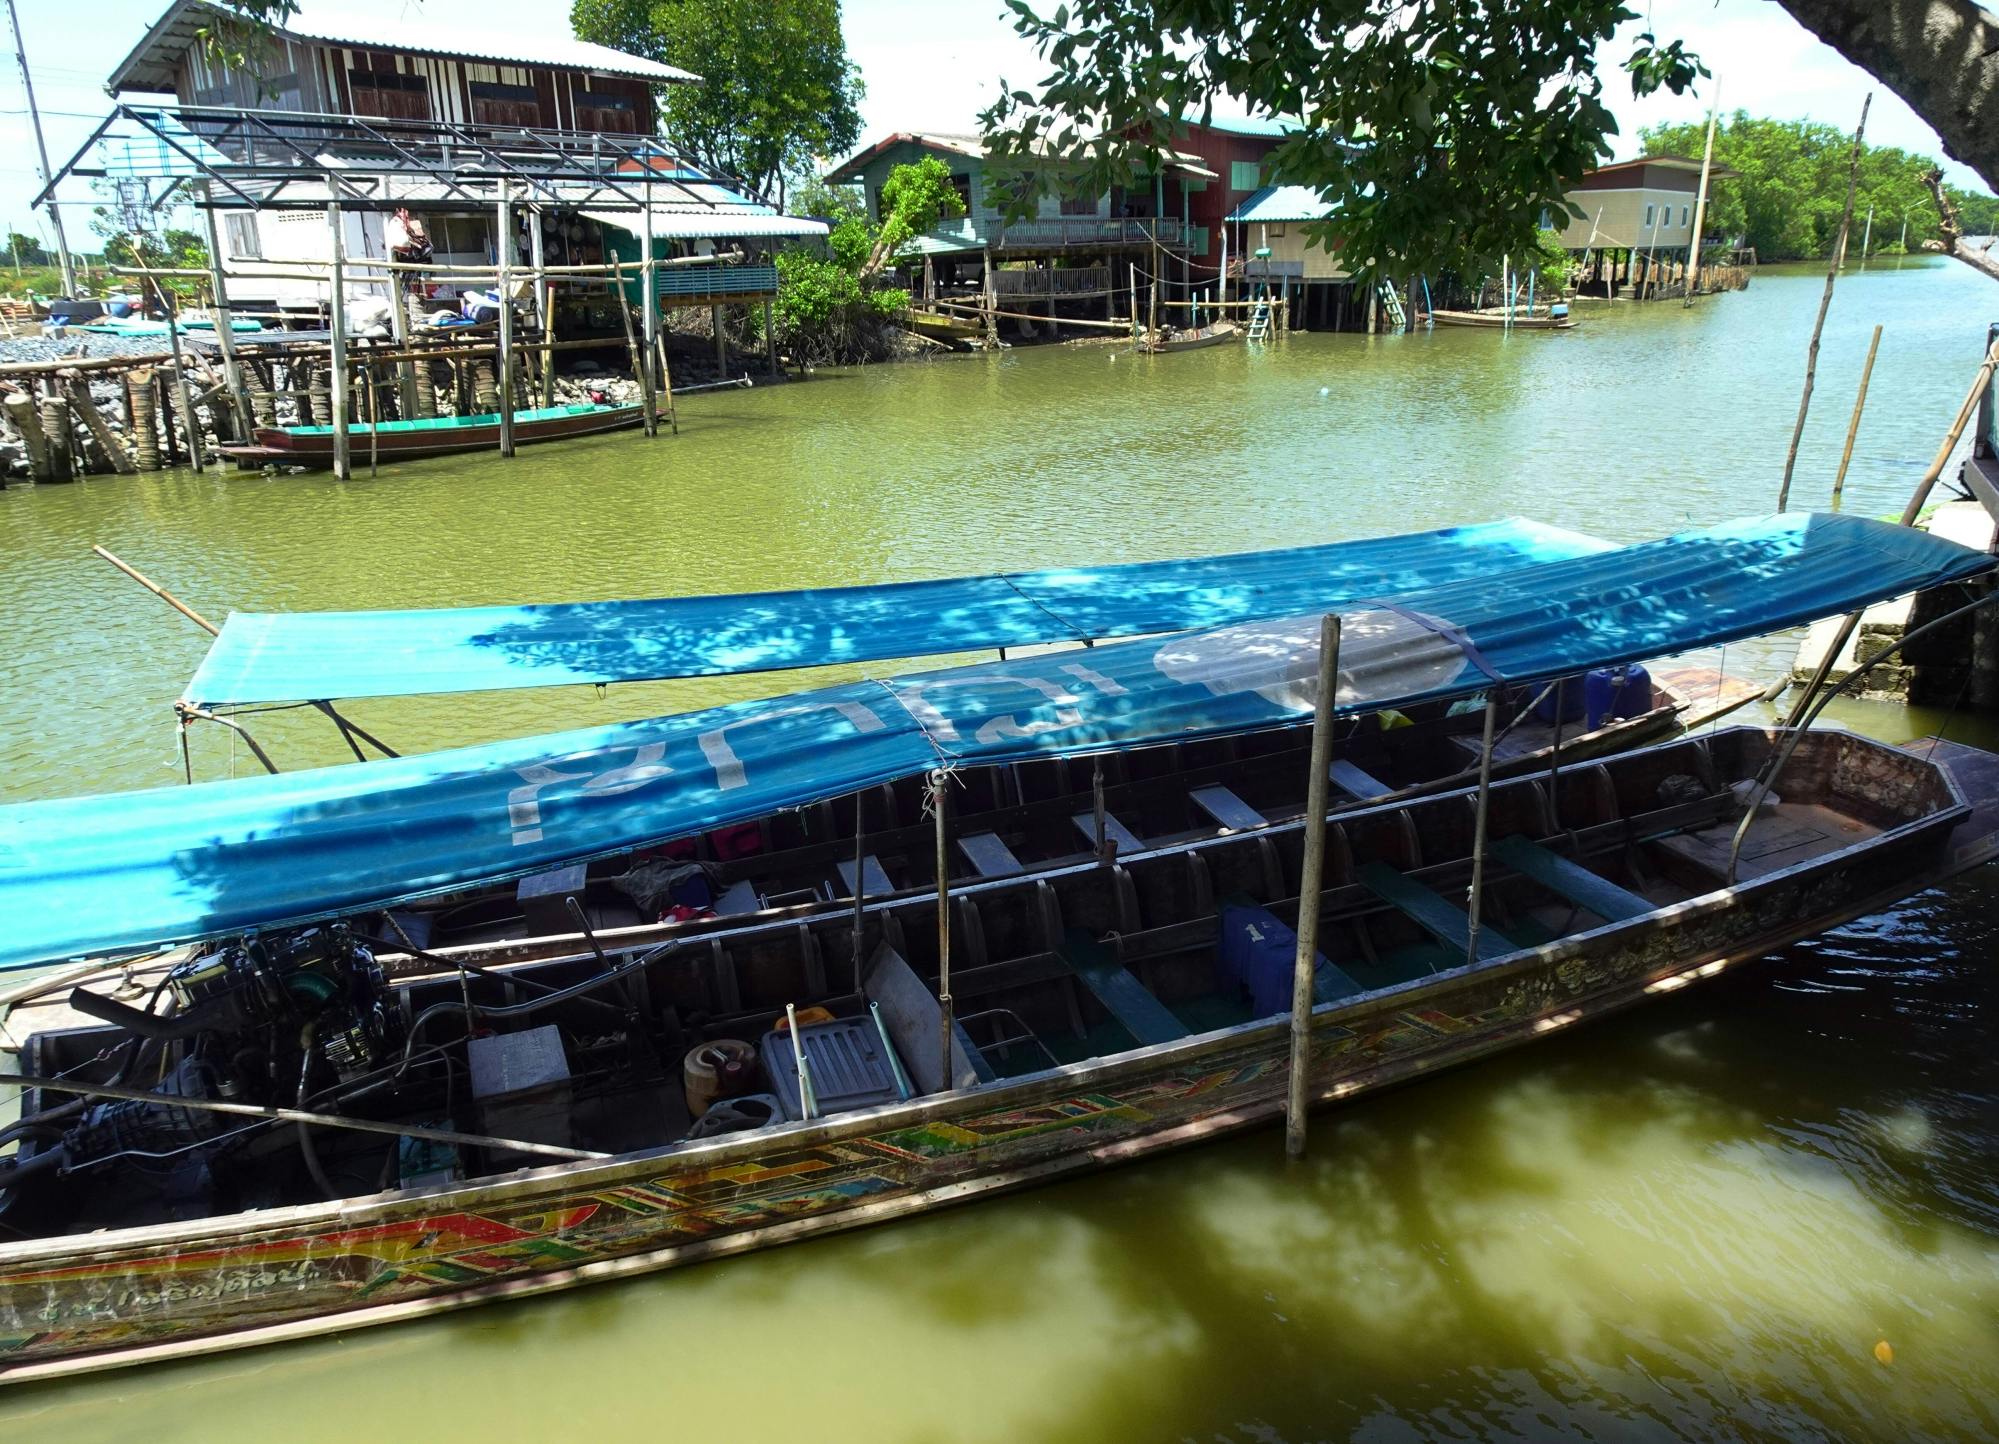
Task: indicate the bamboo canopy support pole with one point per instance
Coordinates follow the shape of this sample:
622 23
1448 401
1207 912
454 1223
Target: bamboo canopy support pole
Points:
1700 202
336 317
504 245
1825 303
345 725
1853 426
1910 515
1311 887
1475 901
939 780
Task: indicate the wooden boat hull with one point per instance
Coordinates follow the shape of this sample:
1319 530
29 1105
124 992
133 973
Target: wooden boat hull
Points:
940 327
1491 320
283 446
1216 335
70 1304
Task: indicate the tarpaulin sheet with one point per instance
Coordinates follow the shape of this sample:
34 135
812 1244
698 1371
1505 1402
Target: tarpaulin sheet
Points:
103 873
320 656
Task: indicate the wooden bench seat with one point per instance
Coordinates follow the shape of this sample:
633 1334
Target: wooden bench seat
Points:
874 880
1114 831
1570 880
1359 785
1124 997
1437 915
988 855
1227 809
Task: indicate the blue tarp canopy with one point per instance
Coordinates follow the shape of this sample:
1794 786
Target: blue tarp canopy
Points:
320 656
98 874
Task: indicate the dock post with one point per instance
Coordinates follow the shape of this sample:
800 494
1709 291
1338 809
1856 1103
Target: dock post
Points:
770 337
641 372
548 343
336 317
408 378
939 779
1477 895
503 249
1311 887
1853 426
143 418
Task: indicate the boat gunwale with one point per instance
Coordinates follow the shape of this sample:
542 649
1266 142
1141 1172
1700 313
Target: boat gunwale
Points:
242 1228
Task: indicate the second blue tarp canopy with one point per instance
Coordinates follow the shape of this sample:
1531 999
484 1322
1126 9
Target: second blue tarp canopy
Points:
320 656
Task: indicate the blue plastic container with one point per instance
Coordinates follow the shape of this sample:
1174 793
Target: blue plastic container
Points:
1615 692
1564 703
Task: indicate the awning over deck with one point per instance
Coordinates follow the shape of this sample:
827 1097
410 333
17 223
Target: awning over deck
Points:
97 874
319 656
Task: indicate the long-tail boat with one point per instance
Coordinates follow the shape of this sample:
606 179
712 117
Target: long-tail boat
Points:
312 446
1190 339
294 1131
1497 319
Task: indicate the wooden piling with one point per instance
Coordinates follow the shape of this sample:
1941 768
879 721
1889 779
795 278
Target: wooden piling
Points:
504 354
336 310
1853 426
1311 887
547 334
21 412
641 372
1825 302
144 420
98 428
55 434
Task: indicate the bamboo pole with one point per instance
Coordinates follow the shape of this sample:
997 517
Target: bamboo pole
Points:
336 313
939 779
225 335
1825 303
641 373
548 350
406 374
666 382
1311 887
374 428
1700 201
1910 514
94 422
504 345
1853 426
1475 901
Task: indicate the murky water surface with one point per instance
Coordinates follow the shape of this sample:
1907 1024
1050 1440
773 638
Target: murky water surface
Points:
1695 1221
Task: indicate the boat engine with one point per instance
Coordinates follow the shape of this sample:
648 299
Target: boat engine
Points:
252 1022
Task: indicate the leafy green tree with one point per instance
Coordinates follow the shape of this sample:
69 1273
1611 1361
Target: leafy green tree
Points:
914 199
777 88
171 249
1788 187
26 250
1441 130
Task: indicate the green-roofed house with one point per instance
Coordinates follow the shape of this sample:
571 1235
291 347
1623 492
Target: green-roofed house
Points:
1277 219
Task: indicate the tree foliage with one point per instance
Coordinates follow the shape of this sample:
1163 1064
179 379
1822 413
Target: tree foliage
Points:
1789 189
1441 131
776 86
914 199
26 250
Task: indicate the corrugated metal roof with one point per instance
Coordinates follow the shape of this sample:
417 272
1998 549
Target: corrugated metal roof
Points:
687 223
150 66
1269 127
1284 203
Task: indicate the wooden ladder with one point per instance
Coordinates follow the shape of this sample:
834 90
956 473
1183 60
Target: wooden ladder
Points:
1391 305
1259 319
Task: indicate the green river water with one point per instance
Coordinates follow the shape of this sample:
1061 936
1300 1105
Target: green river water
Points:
1694 1221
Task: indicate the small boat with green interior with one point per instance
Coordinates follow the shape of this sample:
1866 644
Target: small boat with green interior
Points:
312 446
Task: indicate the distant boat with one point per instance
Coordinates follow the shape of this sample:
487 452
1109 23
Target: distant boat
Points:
1496 318
1170 340
432 436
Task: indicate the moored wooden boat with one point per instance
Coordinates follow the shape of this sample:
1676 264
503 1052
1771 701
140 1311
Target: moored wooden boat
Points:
1105 1012
1497 320
432 436
941 326
1168 339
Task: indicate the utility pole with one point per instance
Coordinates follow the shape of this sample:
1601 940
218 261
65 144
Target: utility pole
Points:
1700 204
42 149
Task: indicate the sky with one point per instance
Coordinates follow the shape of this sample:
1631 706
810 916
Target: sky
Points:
928 65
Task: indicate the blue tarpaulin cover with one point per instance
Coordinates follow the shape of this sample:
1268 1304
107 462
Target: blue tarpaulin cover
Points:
96 874
308 656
